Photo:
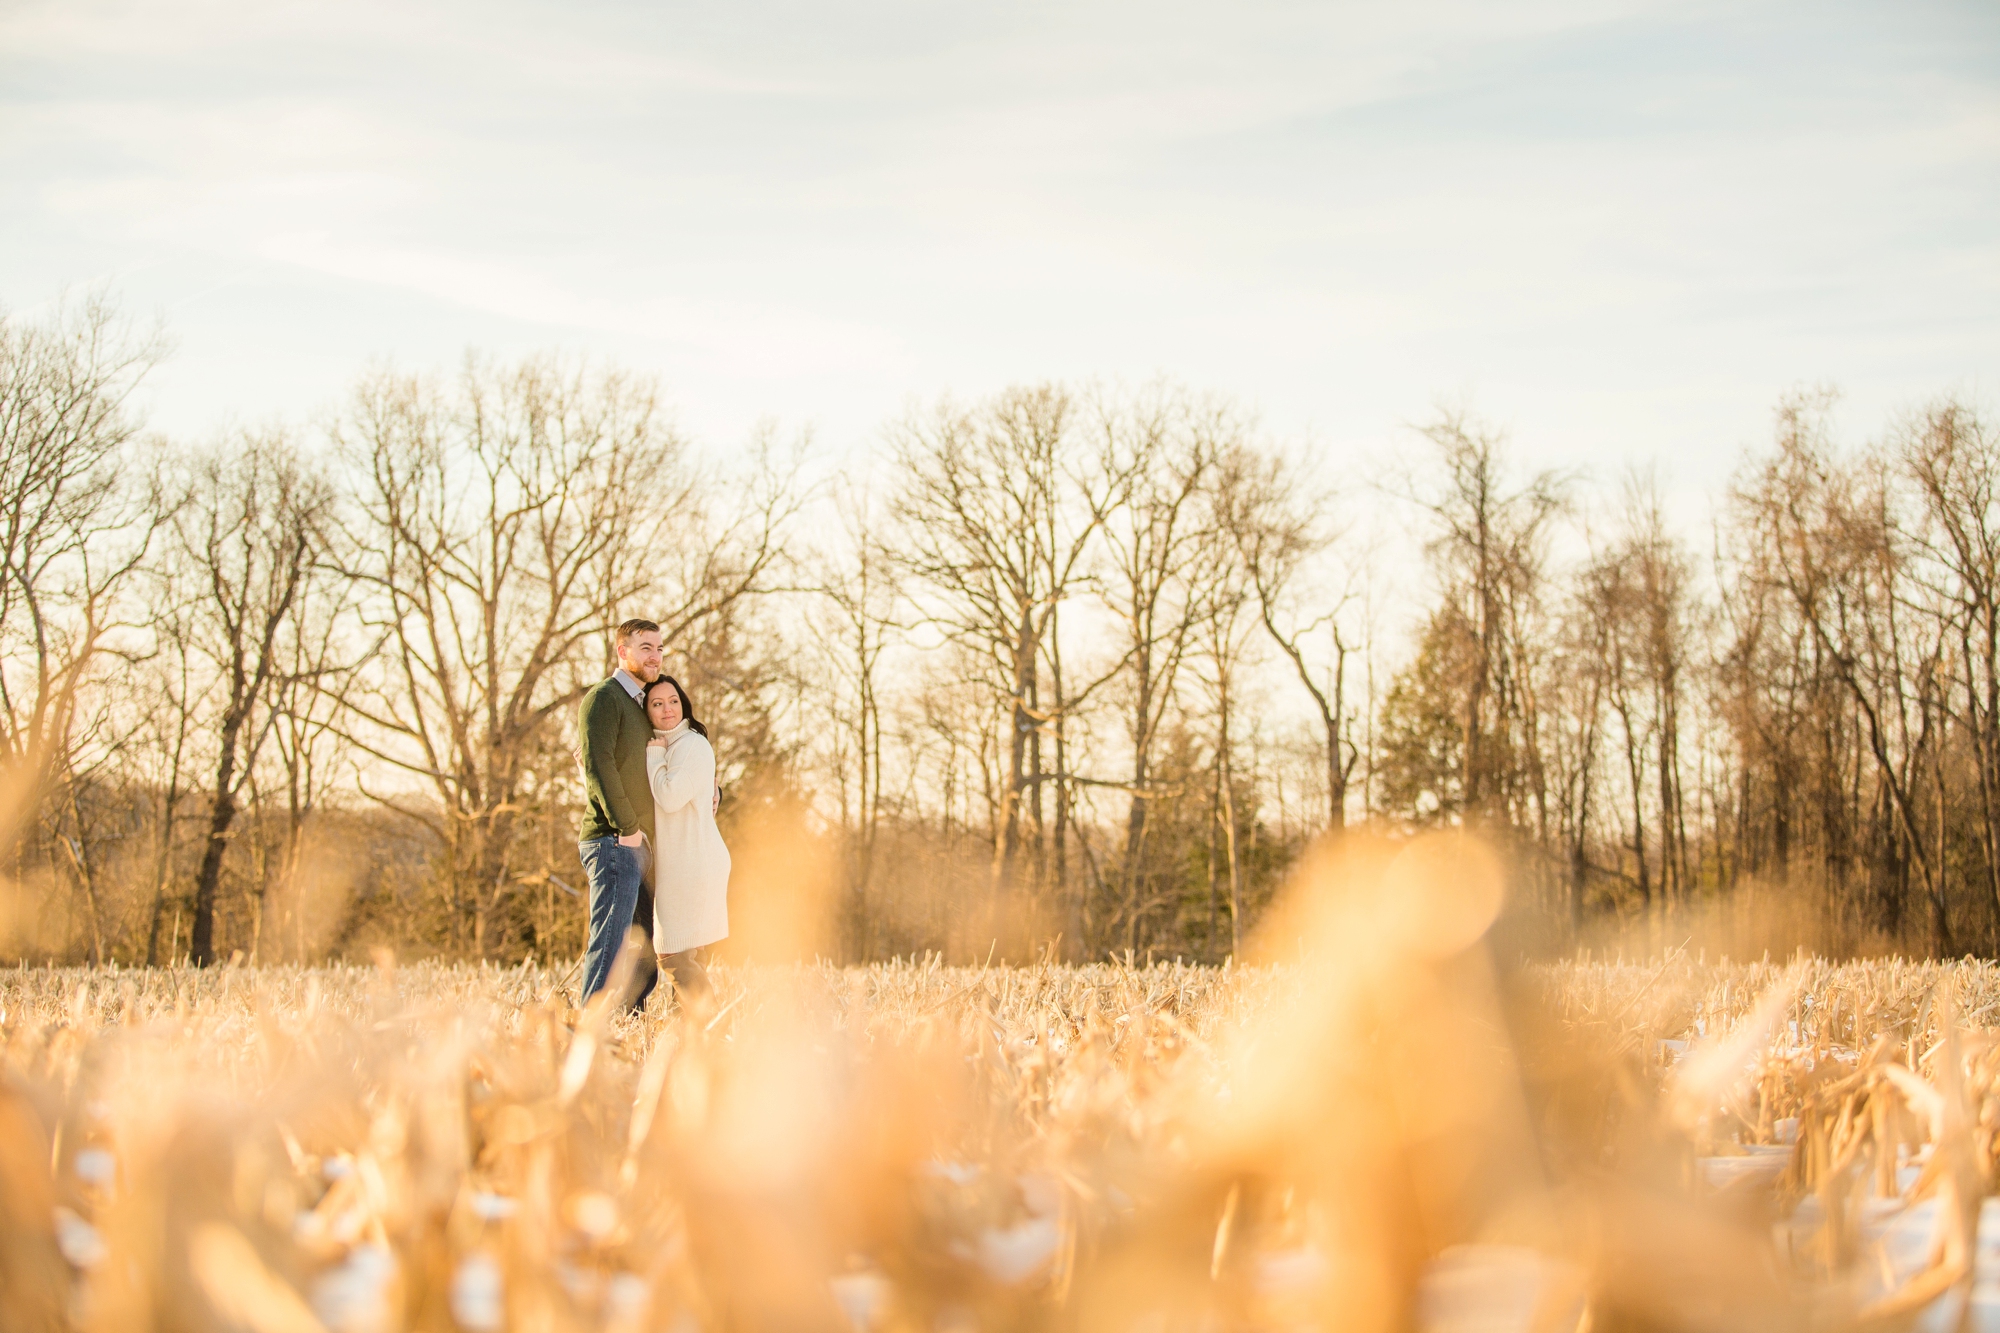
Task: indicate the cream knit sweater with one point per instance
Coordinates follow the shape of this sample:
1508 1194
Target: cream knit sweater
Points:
690 862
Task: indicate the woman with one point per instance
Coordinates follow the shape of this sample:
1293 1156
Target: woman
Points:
690 864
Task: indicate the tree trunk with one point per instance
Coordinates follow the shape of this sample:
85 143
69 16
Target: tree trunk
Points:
86 875
1229 830
1007 819
201 943
163 864
1634 771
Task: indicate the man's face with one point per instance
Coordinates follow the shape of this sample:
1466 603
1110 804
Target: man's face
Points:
641 654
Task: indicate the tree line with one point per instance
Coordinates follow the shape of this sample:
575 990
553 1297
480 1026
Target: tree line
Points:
1065 669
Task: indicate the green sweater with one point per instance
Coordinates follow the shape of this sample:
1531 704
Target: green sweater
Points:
612 731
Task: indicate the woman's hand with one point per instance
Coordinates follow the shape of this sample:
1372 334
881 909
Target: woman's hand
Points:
656 744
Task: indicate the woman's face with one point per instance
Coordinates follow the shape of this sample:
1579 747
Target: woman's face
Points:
663 706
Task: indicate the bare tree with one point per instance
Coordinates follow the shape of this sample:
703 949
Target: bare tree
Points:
857 588
1490 552
1575 735
999 510
1225 634
1826 536
1280 533
177 710
1638 593
1616 604
247 539
319 653
1163 560
77 516
1666 579
1953 459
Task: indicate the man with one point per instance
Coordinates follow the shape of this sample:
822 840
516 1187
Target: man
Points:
612 732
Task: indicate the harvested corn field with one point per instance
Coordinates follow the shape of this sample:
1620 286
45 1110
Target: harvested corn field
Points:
1375 1128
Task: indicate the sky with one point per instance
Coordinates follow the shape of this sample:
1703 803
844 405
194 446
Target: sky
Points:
1618 229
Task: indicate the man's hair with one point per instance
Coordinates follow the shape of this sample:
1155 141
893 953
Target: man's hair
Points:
627 628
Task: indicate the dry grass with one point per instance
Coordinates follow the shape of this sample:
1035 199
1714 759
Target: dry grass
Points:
1371 1129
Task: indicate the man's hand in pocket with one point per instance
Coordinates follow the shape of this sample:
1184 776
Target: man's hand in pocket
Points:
633 839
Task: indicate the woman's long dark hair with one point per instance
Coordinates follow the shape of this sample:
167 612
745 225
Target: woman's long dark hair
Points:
687 705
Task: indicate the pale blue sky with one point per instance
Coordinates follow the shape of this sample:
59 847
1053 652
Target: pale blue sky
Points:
1620 228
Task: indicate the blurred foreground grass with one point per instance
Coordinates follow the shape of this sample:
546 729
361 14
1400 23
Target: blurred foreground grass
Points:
1374 1128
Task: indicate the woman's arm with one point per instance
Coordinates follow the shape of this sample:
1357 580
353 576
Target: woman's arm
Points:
682 773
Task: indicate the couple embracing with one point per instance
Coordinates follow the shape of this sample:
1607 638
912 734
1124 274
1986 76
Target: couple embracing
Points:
650 848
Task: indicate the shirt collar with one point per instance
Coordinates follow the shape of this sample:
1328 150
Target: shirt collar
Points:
631 682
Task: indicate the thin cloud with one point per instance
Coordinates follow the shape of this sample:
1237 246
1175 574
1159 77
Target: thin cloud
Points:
1628 220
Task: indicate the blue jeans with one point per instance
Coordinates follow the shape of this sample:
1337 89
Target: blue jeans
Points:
617 879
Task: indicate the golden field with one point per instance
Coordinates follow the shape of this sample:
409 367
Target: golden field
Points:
1371 1125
